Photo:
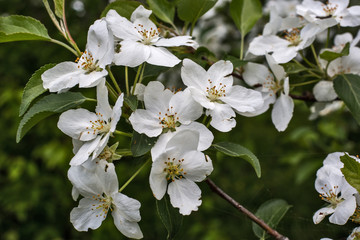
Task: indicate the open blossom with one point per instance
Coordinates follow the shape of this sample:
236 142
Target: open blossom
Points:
215 91
329 14
139 40
177 169
94 129
90 67
98 183
271 84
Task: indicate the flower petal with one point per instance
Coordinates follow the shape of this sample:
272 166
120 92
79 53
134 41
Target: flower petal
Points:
143 121
132 53
197 166
140 12
162 57
343 211
103 106
85 151
193 75
128 207
85 216
157 178
219 71
321 214
176 41
282 112
130 229
121 27
324 91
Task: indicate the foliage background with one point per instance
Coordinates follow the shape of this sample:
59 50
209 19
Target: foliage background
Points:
35 194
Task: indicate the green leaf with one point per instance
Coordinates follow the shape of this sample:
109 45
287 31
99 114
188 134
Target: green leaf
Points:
271 212
347 87
48 105
33 88
163 9
141 144
21 28
236 150
192 10
123 7
59 8
170 217
235 61
331 56
291 68
131 101
245 14
351 171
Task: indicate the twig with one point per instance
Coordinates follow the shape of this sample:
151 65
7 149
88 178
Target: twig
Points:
306 96
249 214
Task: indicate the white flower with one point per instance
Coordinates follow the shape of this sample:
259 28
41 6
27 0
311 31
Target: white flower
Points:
355 234
98 183
283 8
329 14
90 68
324 91
93 129
140 40
271 84
324 108
177 169
165 110
214 90
346 64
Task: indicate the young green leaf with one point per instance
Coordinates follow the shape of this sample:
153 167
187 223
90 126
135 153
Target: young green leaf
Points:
123 7
291 68
271 212
33 88
163 9
48 105
170 217
236 150
347 87
131 101
235 61
21 28
331 56
192 10
245 14
141 144
59 8
351 171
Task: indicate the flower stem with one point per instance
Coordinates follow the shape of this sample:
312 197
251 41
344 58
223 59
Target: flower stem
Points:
134 175
113 79
242 47
136 79
315 56
112 91
306 60
142 72
123 133
91 100
304 83
64 45
127 81
242 209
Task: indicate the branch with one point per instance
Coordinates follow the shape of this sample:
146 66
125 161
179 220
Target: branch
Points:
249 214
306 96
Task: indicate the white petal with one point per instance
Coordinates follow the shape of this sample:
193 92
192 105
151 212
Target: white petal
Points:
101 145
205 135
334 159
222 117
128 207
196 166
157 178
64 75
75 193
343 211
243 99
352 18
278 70
92 79
132 54
265 44
107 177
157 98
321 214
268 99
200 96
130 229
116 112
185 195
144 121
186 108
284 55
140 12
121 27
85 216
76 124
176 41
162 57
324 91
85 151
282 112
219 70
255 73
193 75
183 141
103 106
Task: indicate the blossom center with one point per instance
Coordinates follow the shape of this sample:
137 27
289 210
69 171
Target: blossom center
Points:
173 169
293 37
329 9
270 85
215 92
87 63
331 196
99 126
104 203
170 120
148 35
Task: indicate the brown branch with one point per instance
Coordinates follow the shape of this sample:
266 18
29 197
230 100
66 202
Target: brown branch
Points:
249 214
306 96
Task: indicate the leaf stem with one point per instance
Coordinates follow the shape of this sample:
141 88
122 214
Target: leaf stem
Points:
113 94
111 75
315 56
134 175
304 83
127 81
136 79
242 209
242 46
123 133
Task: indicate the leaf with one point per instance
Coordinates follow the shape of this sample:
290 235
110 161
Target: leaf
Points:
291 68
59 8
131 101
351 171
271 212
245 14
192 10
163 9
347 87
48 105
33 88
236 150
21 28
141 144
123 7
235 61
170 217
331 56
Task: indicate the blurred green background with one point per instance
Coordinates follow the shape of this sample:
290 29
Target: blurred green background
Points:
35 194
